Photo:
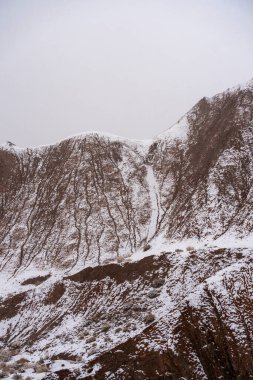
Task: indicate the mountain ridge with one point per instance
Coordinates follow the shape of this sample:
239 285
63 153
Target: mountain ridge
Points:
243 86
115 254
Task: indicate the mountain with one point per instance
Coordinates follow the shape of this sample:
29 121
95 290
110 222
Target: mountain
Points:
124 259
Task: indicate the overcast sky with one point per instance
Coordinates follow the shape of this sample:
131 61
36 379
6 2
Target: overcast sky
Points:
128 67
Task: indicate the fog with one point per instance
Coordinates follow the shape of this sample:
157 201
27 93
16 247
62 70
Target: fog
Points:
127 67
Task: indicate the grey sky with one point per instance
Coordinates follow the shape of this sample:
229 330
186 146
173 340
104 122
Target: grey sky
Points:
129 67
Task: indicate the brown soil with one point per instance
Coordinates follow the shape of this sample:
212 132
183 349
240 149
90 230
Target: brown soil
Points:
11 306
119 273
35 280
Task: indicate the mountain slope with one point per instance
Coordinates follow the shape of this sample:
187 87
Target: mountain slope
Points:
74 202
123 259
206 180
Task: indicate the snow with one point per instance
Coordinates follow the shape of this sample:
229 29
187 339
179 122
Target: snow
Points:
155 201
11 148
239 87
145 143
176 131
160 244
243 86
95 369
182 284
53 366
10 284
61 364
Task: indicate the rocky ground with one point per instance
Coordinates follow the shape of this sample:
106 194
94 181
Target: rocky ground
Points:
184 314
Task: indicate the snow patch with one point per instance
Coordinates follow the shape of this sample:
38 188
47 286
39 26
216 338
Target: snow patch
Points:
155 201
176 131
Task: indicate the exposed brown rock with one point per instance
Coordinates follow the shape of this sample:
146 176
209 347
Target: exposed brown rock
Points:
35 280
11 306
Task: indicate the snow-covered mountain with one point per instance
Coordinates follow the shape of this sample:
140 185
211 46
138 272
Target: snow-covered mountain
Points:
129 259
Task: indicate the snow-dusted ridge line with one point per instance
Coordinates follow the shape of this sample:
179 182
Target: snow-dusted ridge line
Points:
106 135
78 136
178 130
239 87
242 86
173 131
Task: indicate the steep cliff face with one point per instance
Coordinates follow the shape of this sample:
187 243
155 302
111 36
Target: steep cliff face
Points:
205 176
73 203
96 270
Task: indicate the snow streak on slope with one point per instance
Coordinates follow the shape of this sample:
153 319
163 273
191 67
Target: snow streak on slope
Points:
155 202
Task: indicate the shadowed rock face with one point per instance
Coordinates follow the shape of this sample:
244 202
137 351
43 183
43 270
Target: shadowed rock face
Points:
69 209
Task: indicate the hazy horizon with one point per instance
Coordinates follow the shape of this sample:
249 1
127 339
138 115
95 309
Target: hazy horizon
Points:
130 68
